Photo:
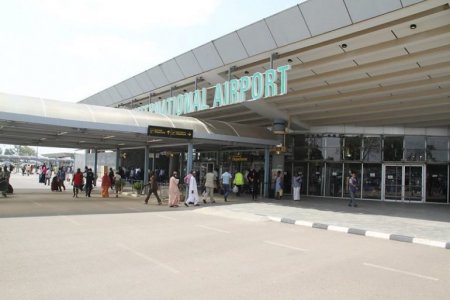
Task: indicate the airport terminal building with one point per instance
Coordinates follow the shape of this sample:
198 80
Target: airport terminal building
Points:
344 85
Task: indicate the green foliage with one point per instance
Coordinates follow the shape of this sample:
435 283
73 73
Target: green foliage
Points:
10 151
138 185
20 150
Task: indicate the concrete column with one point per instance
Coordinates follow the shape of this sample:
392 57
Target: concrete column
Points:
95 162
189 157
266 171
146 163
117 158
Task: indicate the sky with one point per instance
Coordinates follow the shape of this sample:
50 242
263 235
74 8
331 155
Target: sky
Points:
68 50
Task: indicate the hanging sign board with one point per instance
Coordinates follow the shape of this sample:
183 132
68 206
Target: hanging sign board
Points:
168 132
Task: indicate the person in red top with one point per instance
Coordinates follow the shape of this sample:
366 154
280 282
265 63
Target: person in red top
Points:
77 182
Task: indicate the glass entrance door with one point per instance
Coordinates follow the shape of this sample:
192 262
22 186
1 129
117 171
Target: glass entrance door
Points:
403 183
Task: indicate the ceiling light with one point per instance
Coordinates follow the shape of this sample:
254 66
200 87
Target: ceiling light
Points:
290 60
413 26
343 46
109 137
246 72
121 144
63 133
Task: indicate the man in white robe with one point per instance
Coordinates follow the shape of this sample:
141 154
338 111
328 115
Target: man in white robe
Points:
192 192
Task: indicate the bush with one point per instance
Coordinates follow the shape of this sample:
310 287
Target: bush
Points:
138 185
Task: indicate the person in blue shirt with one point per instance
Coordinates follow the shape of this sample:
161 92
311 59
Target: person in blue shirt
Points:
226 179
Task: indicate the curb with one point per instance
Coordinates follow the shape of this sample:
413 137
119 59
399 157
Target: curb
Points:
363 232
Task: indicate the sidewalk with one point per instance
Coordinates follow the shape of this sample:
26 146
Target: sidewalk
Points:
416 223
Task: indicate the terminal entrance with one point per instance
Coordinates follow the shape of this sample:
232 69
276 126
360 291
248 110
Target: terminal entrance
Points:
403 183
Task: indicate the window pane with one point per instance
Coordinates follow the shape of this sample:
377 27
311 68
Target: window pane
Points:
348 169
333 148
437 149
436 185
415 148
316 148
352 149
372 149
372 181
300 147
333 186
315 179
393 148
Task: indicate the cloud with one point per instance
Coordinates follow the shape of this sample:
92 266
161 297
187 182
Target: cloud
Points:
135 15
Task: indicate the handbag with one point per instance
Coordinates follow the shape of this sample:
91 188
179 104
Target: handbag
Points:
235 189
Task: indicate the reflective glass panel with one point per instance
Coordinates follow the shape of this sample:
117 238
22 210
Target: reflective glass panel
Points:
333 148
415 148
372 149
316 150
352 149
333 186
371 181
315 179
437 183
393 148
437 148
348 169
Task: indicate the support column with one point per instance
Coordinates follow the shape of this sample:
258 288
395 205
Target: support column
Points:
95 163
189 158
266 171
146 163
117 158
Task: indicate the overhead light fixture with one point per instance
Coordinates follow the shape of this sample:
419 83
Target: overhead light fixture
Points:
343 46
290 60
82 142
62 133
121 144
246 73
413 26
109 137
42 139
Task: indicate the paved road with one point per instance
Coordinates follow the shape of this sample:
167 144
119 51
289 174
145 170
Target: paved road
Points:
127 250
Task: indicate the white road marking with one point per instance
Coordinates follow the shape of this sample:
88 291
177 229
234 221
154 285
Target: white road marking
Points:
70 220
284 246
400 271
213 229
149 259
166 217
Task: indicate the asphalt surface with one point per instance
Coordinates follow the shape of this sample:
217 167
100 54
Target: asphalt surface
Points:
54 246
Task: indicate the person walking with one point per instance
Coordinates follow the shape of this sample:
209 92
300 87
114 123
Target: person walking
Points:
106 184
253 182
226 179
61 178
279 186
210 178
153 188
111 177
192 191
174 191
239 182
296 186
89 182
77 182
353 187
117 183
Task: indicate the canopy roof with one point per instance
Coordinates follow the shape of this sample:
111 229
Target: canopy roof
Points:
43 122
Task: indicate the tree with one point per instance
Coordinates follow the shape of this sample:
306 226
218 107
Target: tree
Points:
25 150
10 151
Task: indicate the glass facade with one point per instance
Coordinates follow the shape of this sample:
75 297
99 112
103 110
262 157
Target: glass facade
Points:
389 168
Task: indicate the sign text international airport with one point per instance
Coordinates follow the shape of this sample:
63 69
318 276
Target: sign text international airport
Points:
247 88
